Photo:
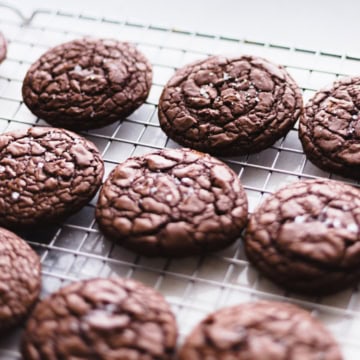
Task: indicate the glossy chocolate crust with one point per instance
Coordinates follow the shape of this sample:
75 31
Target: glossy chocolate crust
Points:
46 174
229 106
87 83
260 330
306 237
104 319
172 203
3 48
330 129
20 279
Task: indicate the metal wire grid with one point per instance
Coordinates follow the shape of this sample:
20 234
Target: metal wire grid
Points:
193 286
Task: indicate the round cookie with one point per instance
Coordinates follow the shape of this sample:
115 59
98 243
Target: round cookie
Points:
2 48
306 237
101 319
20 279
87 83
330 129
172 203
46 174
260 330
229 106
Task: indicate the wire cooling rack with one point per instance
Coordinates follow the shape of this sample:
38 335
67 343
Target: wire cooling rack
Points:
193 286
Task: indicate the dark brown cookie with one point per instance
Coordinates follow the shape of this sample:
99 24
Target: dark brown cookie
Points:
172 203
20 279
2 48
101 319
330 129
229 106
87 83
306 236
260 330
46 174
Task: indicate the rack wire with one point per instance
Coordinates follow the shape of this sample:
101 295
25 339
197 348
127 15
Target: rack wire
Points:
193 286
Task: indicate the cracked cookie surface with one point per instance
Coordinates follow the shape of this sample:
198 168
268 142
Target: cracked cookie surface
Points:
306 237
172 203
20 279
2 48
87 83
229 106
46 174
330 129
260 330
104 319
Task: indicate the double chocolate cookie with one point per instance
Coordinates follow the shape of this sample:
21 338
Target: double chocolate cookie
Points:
306 237
20 279
2 48
229 106
87 83
101 319
330 129
46 174
172 203
260 330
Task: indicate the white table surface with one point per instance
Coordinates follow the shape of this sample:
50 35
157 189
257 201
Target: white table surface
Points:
327 25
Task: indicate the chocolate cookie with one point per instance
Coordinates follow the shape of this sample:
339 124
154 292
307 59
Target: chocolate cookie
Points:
2 48
46 174
306 236
87 83
260 330
101 319
330 129
172 203
20 279
229 106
